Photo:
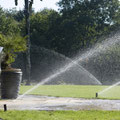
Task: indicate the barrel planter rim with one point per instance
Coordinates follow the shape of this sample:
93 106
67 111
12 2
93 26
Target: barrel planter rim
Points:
11 70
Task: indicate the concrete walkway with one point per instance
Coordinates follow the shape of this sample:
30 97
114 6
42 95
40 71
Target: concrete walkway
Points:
32 102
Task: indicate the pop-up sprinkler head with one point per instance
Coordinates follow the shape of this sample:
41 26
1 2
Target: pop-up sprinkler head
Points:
5 107
96 95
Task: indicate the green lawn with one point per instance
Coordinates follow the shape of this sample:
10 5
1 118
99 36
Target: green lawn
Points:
78 91
60 115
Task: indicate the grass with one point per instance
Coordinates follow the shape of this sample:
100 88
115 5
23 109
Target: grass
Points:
77 91
60 115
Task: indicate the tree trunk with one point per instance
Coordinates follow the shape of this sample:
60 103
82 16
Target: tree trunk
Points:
27 54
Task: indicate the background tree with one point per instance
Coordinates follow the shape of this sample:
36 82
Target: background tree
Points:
85 20
17 15
43 28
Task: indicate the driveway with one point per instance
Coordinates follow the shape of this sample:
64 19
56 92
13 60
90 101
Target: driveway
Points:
32 102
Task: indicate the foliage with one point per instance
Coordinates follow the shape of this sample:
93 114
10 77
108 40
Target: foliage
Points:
17 15
10 38
8 25
76 27
103 11
12 44
41 25
85 20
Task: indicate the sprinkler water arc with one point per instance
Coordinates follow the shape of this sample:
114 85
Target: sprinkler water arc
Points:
91 53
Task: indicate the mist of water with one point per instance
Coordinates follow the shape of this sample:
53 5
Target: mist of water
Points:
58 72
73 63
90 53
100 48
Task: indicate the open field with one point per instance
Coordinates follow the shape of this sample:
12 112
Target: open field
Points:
77 91
60 115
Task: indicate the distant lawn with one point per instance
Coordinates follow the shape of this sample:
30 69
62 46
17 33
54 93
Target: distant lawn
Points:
60 115
77 91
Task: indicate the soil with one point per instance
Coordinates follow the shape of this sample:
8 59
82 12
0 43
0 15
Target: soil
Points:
32 102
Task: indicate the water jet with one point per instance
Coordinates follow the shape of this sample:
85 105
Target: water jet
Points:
89 54
75 75
108 88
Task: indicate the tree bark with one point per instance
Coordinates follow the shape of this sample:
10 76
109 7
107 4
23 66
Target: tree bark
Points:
27 53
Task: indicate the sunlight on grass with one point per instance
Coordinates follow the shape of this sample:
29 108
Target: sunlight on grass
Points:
78 91
113 93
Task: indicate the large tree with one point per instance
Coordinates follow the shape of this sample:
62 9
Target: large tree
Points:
102 11
85 20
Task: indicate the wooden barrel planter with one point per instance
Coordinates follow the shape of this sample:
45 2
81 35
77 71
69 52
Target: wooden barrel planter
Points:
10 83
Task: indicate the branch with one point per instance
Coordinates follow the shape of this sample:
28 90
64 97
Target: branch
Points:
30 5
16 2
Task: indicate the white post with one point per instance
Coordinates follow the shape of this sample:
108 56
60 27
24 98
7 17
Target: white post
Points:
1 48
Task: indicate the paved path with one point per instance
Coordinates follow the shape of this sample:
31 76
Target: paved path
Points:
31 102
